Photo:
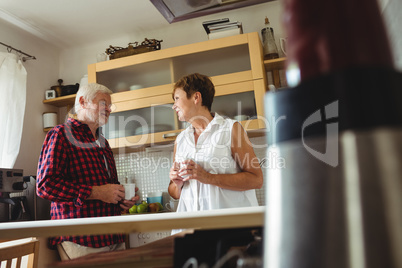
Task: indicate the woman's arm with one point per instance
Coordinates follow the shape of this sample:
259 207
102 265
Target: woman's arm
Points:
176 182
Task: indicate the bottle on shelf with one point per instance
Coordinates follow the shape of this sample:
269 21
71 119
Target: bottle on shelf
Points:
268 42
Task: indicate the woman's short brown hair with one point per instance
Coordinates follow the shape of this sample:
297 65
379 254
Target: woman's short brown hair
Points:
197 83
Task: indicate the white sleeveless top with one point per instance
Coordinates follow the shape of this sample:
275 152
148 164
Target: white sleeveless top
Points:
213 153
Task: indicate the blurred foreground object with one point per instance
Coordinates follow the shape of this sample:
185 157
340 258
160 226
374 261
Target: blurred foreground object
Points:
336 201
325 36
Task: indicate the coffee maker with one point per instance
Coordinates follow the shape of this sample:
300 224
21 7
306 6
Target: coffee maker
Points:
13 206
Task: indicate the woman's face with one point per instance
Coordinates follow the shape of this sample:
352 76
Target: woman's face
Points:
182 105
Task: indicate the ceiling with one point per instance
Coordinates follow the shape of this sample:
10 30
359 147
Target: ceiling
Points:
66 23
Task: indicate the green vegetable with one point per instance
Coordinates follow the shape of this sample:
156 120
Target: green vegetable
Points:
143 207
133 209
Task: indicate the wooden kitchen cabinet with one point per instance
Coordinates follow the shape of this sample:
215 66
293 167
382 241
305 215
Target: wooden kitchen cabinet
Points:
143 116
274 66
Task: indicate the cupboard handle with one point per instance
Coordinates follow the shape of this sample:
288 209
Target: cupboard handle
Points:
171 135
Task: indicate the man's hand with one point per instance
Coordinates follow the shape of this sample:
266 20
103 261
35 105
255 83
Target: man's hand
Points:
127 204
108 193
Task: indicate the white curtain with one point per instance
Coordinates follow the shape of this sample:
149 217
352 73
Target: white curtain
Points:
13 80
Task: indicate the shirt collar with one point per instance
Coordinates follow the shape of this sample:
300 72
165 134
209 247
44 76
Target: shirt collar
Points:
76 123
217 120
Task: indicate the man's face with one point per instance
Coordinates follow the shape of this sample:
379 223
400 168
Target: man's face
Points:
99 109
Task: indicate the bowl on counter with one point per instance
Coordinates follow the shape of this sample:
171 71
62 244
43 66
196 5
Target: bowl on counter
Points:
156 128
114 134
135 87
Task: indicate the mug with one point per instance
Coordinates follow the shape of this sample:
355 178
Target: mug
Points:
183 166
172 205
282 42
154 197
129 190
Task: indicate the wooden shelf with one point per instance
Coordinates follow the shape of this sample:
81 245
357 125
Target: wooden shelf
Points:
275 64
61 101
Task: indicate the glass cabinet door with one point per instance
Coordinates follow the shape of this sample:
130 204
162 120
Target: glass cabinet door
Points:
138 126
239 106
142 121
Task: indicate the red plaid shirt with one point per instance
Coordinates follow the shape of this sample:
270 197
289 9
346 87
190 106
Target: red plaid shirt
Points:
71 163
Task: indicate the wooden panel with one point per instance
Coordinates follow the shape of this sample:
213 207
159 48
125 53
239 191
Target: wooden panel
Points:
259 91
232 78
155 254
234 88
61 101
143 103
30 248
92 73
256 54
137 142
143 93
275 64
276 78
171 52
211 219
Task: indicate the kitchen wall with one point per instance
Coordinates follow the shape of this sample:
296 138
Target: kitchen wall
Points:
74 61
41 73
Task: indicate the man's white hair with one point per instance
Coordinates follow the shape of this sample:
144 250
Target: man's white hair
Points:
88 92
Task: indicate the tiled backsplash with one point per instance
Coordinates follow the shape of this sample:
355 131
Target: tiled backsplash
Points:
150 170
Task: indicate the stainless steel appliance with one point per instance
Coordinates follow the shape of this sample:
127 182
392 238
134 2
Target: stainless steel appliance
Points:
12 208
336 199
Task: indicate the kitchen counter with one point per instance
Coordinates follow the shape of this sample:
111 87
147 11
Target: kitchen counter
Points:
212 219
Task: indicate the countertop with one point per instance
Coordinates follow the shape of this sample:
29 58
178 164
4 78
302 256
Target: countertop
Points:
212 219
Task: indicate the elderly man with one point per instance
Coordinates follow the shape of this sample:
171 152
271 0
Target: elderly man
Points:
77 173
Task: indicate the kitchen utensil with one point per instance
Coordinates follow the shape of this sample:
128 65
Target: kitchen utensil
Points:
57 88
65 90
268 42
154 197
69 89
282 43
49 120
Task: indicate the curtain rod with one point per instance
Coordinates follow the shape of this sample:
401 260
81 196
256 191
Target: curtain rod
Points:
10 48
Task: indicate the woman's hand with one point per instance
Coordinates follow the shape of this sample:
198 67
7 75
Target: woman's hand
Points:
191 170
174 175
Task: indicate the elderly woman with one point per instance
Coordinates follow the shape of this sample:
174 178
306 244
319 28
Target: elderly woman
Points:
214 163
